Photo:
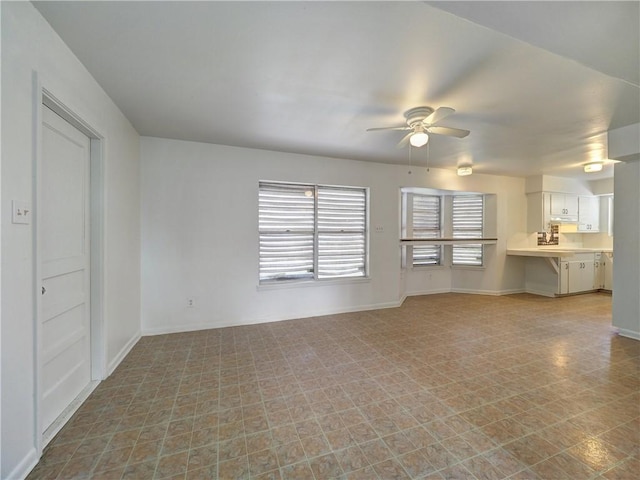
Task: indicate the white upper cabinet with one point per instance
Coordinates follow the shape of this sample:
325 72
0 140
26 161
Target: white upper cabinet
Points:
588 214
544 209
564 207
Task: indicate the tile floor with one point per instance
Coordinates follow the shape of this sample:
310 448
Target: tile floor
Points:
446 386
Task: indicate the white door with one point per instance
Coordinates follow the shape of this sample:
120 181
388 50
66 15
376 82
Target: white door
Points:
63 245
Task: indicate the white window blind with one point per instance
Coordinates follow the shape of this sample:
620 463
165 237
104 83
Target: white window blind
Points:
286 217
467 223
341 232
311 232
426 224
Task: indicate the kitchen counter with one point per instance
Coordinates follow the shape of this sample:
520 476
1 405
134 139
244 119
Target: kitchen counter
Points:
553 270
550 252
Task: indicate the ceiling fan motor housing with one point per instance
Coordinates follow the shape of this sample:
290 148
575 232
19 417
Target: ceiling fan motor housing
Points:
417 115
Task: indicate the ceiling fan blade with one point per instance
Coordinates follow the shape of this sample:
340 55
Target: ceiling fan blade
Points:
388 128
438 115
405 140
451 132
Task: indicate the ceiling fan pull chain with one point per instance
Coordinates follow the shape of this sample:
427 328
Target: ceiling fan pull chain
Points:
427 158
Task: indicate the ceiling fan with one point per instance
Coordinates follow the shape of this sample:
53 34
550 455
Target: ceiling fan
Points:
420 122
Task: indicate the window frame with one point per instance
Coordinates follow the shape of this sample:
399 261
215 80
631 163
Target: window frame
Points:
317 233
410 228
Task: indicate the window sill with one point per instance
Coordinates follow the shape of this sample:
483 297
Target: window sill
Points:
311 283
447 241
427 267
445 267
468 267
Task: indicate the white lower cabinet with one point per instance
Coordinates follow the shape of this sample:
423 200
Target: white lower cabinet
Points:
577 274
598 272
563 278
607 274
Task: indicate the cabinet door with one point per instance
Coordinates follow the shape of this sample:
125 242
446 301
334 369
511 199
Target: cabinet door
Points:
587 276
608 272
571 205
581 275
564 206
598 273
564 278
557 204
575 277
588 214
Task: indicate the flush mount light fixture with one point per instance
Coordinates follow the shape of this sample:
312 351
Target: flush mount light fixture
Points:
419 139
466 170
593 167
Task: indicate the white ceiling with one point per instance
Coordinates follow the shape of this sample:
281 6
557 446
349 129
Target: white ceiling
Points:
537 83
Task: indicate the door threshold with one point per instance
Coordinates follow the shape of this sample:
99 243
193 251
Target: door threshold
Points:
67 413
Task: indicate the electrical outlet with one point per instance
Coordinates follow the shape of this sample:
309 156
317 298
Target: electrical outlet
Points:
191 302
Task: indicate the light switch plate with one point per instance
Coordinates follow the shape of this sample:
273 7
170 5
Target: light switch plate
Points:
21 212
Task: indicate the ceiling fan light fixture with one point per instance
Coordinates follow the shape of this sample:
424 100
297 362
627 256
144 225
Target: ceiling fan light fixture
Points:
419 139
465 170
593 167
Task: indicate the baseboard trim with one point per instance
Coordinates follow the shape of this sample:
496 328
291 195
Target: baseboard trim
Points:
623 332
113 364
494 293
194 327
542 293
178 328
25 466
417 293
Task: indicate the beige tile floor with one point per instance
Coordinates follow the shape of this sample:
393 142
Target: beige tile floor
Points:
446 386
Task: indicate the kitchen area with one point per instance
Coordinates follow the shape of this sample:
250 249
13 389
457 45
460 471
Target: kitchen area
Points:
568 247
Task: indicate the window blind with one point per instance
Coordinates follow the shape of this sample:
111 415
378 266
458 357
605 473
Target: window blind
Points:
286 218
426 224
467 223
341 232
309 231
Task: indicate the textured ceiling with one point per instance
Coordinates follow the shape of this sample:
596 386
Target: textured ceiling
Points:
537 83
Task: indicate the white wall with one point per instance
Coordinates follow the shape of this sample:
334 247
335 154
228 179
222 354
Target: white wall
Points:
505 219
30 45
199 235
624 143
626 247
548 183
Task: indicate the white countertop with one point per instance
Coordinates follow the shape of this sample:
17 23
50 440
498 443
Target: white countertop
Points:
554 251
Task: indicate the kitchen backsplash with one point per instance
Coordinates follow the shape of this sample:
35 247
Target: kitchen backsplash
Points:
549 238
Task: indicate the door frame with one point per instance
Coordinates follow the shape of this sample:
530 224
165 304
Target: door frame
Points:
44 98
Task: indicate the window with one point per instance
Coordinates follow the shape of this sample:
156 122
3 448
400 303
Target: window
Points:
426 224
311 231
467 223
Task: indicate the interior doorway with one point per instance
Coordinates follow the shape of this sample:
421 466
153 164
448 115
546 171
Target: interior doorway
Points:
68 268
